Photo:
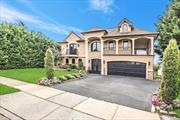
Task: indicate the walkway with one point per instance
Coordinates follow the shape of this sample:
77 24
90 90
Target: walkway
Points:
39 102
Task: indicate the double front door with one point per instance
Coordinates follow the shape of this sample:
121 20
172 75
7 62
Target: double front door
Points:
96 66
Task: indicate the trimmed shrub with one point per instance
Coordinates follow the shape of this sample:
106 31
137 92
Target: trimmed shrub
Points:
76 75
83 72
81 66
49 64
69 76
72 66
82 75
169 85
63 78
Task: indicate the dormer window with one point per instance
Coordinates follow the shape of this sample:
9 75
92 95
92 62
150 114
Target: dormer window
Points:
125 28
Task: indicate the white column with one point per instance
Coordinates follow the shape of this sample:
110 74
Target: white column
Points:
86 53
152 46
116 46
133 46
102 60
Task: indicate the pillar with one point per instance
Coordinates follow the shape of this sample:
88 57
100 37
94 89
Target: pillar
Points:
133 40
102 60
152 46
116 46
86 53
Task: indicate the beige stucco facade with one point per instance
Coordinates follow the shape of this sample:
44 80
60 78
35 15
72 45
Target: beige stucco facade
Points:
106 45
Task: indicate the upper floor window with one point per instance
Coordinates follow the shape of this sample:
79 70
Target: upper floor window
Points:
72 48
95 46
111 45
125 45
125 28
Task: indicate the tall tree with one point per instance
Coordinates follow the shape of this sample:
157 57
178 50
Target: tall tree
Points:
49 64
169 27
170 82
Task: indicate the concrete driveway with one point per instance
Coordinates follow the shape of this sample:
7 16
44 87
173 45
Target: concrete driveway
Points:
129 91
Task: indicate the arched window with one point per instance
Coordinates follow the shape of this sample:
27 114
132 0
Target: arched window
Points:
95 46
125 28
73 61
80 60
67 61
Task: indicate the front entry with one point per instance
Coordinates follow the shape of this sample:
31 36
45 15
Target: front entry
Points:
96 66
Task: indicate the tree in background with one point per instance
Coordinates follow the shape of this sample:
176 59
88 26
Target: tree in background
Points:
57 53
169 27
156 68
169 85
21 48
49 63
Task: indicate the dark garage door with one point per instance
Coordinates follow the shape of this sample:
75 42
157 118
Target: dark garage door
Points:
127 68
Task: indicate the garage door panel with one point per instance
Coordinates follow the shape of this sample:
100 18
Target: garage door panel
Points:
127 68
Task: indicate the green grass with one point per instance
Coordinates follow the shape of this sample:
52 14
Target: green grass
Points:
177 111
4 89
178 97
31 75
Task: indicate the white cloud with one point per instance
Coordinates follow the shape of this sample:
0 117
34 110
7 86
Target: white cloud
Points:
102 5
10 14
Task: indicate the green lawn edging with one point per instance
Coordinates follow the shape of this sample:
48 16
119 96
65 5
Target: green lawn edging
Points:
32 75
4 89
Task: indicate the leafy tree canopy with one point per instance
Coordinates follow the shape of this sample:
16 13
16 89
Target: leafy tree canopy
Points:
169 26
21 48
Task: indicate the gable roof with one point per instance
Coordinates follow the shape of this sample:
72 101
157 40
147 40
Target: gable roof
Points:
125 20
79 36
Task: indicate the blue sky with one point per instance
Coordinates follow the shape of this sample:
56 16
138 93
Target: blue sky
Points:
56 18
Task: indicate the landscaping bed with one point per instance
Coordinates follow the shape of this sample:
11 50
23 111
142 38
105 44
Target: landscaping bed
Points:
162 108
32 75
4 89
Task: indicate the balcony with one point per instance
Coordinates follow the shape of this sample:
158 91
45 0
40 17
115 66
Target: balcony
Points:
124 51
71 52
108 50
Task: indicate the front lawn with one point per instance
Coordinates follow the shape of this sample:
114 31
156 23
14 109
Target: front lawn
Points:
31 75
4 89
178 97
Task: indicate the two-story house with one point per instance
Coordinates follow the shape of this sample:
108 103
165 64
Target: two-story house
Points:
123 50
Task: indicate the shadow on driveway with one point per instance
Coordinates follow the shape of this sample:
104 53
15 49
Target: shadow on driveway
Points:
128 91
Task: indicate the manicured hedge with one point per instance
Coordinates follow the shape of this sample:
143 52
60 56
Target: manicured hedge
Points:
21 48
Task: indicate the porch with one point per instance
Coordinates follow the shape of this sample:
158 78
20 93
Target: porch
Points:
138 46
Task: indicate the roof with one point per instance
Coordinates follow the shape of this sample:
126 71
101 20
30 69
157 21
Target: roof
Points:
114 32
81 37
94 29
125 20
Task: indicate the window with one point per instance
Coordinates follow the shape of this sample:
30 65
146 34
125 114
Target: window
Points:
111 45
80 60
67 61
73 61
125 45
96 46
141 52
125 28
72 48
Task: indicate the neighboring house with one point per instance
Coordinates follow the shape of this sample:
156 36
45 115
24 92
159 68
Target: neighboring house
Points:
123 50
